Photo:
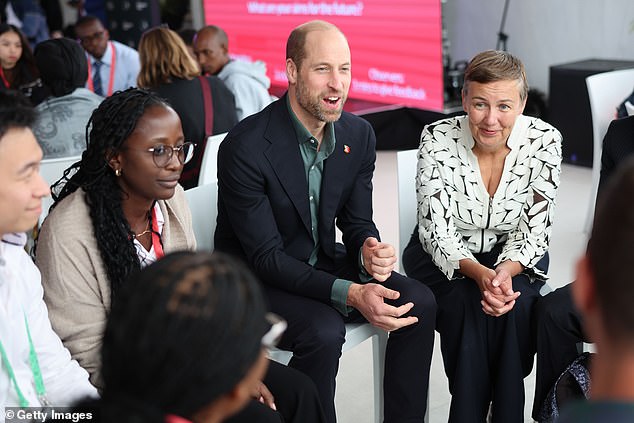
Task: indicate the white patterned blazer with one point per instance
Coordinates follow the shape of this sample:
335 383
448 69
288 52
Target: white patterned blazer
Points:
456 215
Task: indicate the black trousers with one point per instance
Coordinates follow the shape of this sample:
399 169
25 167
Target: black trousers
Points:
559 331
295 395
316 333
486 358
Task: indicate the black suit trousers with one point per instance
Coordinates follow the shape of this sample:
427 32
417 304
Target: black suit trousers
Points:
486 358
316 333
559 332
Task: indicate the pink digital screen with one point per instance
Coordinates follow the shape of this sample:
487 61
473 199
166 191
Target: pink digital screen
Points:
395 44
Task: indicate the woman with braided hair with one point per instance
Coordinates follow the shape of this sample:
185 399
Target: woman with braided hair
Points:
117 210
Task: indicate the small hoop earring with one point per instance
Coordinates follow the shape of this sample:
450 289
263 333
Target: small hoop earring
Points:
117 172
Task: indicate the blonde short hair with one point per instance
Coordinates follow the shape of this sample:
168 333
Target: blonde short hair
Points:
495 65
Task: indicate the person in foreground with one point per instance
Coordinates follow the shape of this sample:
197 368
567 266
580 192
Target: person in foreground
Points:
559 322
286 176
603 292
25 330
486 187
185 342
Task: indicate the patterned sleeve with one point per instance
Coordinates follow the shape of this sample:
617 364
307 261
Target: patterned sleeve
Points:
436 228
529 241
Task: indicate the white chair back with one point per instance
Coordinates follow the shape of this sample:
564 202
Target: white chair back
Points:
209 165
52 170
203 204
406 162
605 91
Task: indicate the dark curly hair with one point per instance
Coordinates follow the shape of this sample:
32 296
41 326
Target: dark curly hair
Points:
108 128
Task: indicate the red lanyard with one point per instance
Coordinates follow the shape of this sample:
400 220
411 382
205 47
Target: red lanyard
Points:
156 238
4 79
113 62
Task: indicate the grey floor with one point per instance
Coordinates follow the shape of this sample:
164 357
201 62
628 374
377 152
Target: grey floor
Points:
354 383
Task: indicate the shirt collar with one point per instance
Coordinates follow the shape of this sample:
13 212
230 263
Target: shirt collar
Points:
303 135
106 59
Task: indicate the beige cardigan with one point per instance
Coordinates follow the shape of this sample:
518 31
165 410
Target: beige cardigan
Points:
76 286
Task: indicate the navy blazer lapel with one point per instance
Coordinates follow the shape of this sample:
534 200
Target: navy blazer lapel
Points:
333 180
286 160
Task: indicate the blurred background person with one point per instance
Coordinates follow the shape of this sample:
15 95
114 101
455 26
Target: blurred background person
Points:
17 65
112 66
61 124
246 80
168 70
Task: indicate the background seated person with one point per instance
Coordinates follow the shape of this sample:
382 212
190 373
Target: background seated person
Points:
486 187
246 80
112 66
61 124
168 70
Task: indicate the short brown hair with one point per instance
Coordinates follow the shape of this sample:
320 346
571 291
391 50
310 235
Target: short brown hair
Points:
164 56
495 65
297 40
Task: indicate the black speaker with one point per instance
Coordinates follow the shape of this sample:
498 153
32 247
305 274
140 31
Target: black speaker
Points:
569 106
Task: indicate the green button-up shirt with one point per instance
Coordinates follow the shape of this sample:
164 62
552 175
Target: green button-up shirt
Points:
314 155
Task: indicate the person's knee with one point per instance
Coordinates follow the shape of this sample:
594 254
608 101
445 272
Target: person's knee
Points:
550 311
419 294
325 332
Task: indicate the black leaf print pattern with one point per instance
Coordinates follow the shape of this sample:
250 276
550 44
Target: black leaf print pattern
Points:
456 215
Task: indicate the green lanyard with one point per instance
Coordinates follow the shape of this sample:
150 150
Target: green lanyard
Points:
35 368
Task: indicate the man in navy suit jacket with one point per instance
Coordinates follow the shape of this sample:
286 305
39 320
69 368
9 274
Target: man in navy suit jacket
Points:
286 176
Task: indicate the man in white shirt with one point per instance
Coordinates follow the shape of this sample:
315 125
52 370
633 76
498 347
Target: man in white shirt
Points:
25 330
112 66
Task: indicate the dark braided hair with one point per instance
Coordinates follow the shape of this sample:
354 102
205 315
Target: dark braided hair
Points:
183 334
108 129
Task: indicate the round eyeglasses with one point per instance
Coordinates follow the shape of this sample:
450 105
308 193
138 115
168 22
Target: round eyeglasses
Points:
162 154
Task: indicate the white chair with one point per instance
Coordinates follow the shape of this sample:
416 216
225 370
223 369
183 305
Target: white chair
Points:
203 204
605 91
406 163
356 333
52 170
209 165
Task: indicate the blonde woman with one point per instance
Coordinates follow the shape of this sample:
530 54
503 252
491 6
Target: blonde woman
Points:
169 70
